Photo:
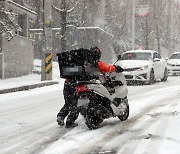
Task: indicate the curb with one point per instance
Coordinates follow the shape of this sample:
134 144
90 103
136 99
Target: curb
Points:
27 87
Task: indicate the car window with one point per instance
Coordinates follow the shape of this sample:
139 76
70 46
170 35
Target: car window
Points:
175 56
136 56
156 55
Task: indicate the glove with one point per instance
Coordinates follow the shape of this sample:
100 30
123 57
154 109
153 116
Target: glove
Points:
119 69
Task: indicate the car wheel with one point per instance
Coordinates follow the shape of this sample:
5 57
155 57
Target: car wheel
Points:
165 75
151 78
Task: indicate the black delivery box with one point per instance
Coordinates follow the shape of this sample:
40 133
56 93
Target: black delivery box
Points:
72 64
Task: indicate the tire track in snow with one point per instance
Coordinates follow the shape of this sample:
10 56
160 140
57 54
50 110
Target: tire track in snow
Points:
145 134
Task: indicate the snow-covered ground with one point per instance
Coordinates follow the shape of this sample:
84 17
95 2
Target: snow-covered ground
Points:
31 78
28 122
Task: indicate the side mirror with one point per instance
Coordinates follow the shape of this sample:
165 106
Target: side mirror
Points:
119 57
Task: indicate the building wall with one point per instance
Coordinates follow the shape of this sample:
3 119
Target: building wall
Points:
18 59
17 54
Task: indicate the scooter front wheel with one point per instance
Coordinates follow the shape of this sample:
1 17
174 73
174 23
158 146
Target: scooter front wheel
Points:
125 114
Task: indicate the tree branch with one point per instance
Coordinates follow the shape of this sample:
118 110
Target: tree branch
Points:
58 9
71 9
68 10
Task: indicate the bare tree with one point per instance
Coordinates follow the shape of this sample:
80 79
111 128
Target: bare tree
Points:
151 31
118 23
63 11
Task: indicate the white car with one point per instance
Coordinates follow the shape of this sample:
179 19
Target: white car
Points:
146 66
174 64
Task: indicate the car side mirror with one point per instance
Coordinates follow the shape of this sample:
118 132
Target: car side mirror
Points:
119 57
156 59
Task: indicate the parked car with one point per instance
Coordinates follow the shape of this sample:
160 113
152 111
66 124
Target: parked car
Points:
174 64
145 66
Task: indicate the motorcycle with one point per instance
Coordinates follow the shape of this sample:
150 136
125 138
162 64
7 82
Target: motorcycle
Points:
103 98
100 96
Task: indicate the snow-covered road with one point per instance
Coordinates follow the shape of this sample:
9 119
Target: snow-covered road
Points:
28 123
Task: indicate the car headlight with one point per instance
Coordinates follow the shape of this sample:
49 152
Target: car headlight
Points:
170 64
143 68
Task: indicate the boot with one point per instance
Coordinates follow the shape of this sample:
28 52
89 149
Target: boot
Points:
70 124
60 121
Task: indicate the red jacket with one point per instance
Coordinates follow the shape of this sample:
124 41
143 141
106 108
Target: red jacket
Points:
104 68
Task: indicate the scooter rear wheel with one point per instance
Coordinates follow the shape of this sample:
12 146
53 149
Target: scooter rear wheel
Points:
93 120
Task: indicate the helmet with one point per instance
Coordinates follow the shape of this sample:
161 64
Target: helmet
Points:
96 52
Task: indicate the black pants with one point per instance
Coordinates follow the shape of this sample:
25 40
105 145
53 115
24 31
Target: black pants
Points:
70 108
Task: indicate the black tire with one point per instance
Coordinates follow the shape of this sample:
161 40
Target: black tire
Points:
93 120
126 113
165 75
151 78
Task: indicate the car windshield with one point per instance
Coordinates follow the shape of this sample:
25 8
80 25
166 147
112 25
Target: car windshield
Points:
175 56
137 56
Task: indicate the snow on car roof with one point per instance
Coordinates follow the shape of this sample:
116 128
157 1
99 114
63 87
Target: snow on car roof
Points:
176 53
150 51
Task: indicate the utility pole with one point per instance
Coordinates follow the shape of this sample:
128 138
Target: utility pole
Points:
133 24
47 41
43 46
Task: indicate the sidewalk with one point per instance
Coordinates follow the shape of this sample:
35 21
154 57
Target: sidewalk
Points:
27 87
23 83
29 81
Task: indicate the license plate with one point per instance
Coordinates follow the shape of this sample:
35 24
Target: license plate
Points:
83 102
